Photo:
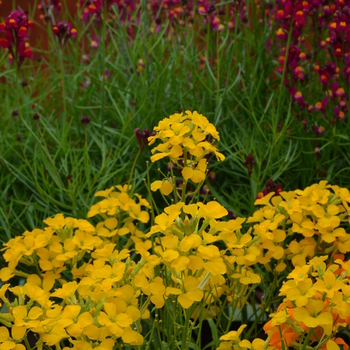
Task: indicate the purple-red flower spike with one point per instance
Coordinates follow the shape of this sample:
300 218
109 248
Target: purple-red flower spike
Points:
249 163
85 120
142 137
319 130
297 96
46 6
272 187
318 152
64 31
16 27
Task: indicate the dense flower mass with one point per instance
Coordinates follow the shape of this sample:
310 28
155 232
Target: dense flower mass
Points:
16 27
147 273
187 140
98 285
323 58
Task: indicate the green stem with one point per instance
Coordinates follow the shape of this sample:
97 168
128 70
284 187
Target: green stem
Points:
307 339
63 86
27 343
103 95
133 167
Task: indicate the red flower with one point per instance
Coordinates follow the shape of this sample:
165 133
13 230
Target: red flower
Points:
4 43
340 114
297 96
16 26
337 91
23 33
24 50
64 31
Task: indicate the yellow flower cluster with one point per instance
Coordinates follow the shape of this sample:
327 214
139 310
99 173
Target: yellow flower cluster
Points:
119 212
187 140
101 296
316 304
297 225
102 285
185 241
91 304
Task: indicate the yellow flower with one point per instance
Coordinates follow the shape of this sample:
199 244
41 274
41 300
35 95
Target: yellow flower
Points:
113 319
23 318
131 337
196 174
279 318
54 335
8 343
165 186
233 335
211 210
153 287
247 276
56 222
264 200
332 345
190 293
137 214
300 273
312 316
326 218
188 133
329 284
300 293
302 225
166 220
174 153
6 273
66 291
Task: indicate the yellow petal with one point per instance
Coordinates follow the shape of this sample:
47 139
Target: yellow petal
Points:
18 332
111 223
195 295
131 337
85 319
300 314
184 301
332 345
133 312
180 263
158 156
171 290
264 200
156 185
187 173
198 176
167 188
123 320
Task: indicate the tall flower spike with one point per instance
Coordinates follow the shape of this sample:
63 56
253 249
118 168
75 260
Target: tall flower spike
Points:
64 31
249 163
16 27
142 137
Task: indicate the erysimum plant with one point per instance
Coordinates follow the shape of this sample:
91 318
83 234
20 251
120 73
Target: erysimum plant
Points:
134 280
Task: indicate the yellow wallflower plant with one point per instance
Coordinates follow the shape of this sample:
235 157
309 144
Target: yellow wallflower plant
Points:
118 280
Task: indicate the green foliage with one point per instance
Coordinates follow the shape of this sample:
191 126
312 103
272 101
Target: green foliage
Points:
235 87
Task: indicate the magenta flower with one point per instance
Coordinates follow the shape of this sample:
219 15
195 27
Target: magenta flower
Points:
249 163
142 137
64 31
95 41
16 27
297 96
